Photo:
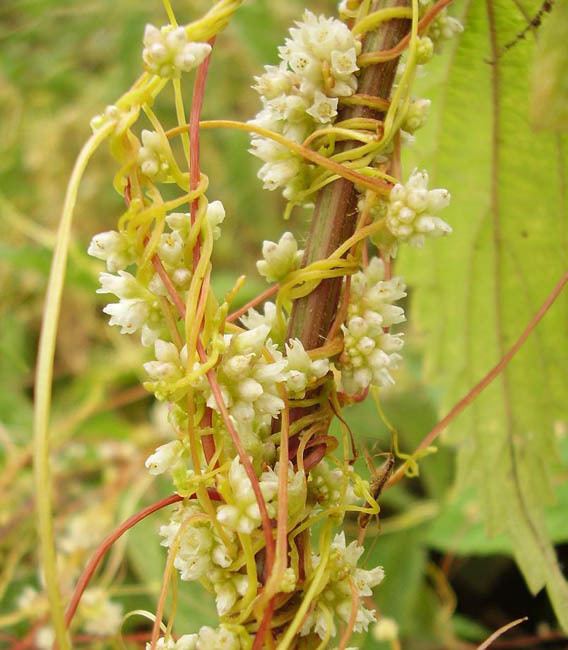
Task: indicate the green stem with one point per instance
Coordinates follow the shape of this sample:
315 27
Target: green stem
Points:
42 404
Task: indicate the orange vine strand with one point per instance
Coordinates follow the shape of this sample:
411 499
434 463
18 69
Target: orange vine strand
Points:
381 56
465 401
106 544
195 116
267 293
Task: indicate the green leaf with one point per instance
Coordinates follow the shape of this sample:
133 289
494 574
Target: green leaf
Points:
549 105
478 289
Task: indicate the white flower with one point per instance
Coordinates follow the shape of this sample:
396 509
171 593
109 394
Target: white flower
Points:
101 616
279 258
324 108
215 217
386 629
412 208
129 315
416 115
165 457
444 27
301 369
152 154
123 285
114 248
168 51
253 318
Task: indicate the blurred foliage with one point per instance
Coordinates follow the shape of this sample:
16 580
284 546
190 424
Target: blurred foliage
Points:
61 63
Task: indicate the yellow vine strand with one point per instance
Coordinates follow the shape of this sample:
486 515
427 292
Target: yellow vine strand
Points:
44 376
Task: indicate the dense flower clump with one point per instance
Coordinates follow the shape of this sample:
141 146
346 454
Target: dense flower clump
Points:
318 66
236 388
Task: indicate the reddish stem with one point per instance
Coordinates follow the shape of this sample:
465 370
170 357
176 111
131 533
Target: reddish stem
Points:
392 53
231 318
105 545
194 118
489 377
216 390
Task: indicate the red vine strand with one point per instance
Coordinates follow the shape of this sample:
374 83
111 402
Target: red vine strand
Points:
465 401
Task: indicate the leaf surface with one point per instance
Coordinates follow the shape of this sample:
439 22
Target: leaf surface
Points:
477 290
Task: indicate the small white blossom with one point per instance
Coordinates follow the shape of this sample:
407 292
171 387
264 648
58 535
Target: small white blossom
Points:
443 28
114 248
385 629
165 457
324 108
152 154
168 51
301 369
416 115
215 217
280 258
101 616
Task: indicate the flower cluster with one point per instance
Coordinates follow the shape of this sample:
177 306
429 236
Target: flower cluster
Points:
345 579
412 209
168 51
208 638
370 351
138 308
318 66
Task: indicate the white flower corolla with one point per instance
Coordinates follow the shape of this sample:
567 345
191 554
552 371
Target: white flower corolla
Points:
200 551
165 458
424 50
84 529
169 364
228 587
412 210
416 115
100 616
443 28
280 258
370 353
114 248
222 637
301 370
152 155
129 315
324 108
337 596
45 638
253 318
123 285
275 81
327 486
248 381
215 216
385 629
242 514
168 51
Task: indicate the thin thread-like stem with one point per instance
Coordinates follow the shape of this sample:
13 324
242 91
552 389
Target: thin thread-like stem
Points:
106 544
217 395
501 631
44 377
489 377
267 293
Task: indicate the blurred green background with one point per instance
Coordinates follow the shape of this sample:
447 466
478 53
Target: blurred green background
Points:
449 583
